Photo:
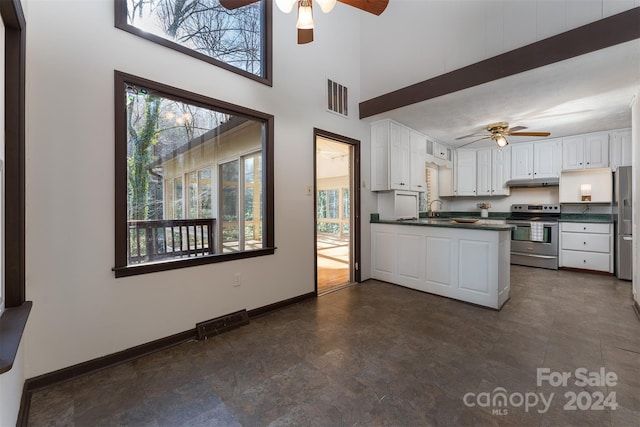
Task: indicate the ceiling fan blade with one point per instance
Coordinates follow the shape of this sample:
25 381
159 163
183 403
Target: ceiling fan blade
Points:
305 36
235 4
372 6
516 129
529 134
470 135
469 143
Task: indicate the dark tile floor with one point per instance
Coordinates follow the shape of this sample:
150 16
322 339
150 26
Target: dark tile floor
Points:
377 354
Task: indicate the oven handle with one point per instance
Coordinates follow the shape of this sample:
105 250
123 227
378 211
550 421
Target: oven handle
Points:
551 224
535 256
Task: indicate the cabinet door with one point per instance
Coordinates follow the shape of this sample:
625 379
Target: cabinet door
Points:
596 153
620 148
500 171
522 161
418 145
466 173
573 153
399 155
546 156
483 177
380 156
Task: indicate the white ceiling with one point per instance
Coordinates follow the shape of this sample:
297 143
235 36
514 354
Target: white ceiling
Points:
585 94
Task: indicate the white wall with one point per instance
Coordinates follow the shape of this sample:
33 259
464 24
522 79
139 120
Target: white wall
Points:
80 311
437 36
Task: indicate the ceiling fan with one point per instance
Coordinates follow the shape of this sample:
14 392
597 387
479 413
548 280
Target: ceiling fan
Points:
305 23
498 131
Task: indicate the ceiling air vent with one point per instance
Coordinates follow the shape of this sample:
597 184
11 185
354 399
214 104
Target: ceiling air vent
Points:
337 98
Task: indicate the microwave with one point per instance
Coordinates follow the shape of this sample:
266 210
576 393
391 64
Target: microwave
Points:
397 204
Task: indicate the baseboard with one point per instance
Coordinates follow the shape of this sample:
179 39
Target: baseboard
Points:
636 308
257 312
584 270
49 379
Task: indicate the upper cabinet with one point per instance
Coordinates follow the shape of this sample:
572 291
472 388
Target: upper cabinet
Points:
466 173
585 151
390 156
620 148
398 156
493 171
541 159
418 146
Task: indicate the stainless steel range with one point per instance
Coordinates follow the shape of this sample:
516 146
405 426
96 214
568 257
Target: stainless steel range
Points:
534 240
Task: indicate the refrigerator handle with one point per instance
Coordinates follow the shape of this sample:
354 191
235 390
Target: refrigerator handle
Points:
627 238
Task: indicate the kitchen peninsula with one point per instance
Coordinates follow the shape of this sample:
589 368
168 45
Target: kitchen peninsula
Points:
467 261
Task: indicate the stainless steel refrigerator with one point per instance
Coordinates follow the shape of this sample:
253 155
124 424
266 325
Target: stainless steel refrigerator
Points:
623 222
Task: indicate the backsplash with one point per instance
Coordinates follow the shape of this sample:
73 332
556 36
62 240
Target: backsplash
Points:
548 195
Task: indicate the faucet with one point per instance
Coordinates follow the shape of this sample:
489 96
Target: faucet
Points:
430 212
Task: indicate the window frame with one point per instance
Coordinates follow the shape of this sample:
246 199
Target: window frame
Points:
121 268
267 42
15 158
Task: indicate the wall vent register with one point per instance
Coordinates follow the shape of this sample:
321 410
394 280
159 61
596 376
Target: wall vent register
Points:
337 98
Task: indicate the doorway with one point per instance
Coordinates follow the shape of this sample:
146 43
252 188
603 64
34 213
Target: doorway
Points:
337 211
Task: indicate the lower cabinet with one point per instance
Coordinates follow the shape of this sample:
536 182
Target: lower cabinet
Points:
587 246
465 264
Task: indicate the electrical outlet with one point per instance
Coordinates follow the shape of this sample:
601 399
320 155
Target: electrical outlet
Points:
309 190
236 280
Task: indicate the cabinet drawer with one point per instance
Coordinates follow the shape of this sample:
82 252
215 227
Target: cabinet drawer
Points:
587 260
586 242
586 227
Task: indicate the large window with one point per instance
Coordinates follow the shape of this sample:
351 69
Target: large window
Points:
237 39
172 208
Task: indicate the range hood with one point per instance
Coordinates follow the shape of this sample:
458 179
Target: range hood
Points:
535 182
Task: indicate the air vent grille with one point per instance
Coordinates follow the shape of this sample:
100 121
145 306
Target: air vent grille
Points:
221 324
337 98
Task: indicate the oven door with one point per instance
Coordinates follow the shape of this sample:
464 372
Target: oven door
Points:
540 252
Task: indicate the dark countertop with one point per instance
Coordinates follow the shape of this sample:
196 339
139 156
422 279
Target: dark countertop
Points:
448 223
598 218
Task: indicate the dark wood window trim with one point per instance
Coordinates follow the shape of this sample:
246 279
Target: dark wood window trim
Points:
267 42
121 268
597 35
14 318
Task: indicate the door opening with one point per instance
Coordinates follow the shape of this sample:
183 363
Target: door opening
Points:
337 211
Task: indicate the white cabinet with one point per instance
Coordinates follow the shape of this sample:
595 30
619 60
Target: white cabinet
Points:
620 148
547 157
500 171
439 154
466 264
586 246
418 146
585 151
390 156
465 173
541 159
493 171
522 161
483 178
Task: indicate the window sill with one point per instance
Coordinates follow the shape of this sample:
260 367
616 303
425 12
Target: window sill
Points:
12 324
133 270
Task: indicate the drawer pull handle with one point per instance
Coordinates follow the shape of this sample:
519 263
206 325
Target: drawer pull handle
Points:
584 243
584 260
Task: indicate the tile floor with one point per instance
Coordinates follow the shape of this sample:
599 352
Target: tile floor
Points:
376 354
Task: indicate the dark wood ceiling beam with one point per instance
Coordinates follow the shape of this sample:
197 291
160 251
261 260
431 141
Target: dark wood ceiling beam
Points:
597 35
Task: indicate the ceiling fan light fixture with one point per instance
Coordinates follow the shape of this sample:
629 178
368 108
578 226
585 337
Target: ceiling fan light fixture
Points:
305 16
500 140
286 5
326 5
